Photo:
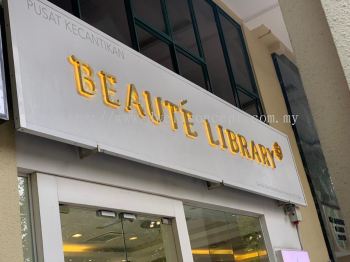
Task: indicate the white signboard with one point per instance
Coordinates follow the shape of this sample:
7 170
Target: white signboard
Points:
77 85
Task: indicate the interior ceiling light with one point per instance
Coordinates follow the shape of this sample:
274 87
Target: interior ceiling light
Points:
150 224
76 248
105 237
133 238
77 235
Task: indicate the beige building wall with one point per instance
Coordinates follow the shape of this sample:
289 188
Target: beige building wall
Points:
324 81
338 18
10 227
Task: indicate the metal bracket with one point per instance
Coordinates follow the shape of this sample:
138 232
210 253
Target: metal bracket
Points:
213 185
166 221
83 152
288 208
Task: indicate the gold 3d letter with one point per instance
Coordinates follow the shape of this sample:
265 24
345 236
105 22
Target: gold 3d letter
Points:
186 118
222 140
254 152
83 77
263 155
210 137
266 156
158 102
231 137
108 91
132 99
272 163
172 108
243 147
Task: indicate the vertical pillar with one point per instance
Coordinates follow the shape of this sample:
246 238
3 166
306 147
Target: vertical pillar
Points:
319 32
10 227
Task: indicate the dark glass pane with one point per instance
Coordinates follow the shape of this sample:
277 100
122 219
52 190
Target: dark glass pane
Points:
239 62
89 236
191 70
181 24
249 104
64 4
222 236
220 81
109 17
150 12
154 48
26 221
304 126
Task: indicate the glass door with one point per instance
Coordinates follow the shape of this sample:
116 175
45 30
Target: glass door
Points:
95 235
80 221
226 237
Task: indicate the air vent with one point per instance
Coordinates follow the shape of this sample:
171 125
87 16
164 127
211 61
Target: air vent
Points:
105 237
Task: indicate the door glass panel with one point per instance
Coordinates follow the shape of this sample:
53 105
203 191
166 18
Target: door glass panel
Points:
145 239
222 236
26 221
89 237
92 235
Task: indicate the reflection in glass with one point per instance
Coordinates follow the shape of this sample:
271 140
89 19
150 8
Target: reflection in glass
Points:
148 239
25 216
236 54
154 48
214 57
109 17
307 135
191 70
91 236
221 236
182 27
150 12
310 147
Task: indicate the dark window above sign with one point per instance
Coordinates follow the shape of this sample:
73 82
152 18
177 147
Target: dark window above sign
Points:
152 47
194 38
64 4
182 25
109 18
151 13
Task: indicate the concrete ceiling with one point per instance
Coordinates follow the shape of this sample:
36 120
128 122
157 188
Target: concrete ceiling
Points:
261 12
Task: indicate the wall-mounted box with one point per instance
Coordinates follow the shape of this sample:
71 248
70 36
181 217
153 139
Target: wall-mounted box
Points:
292 256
